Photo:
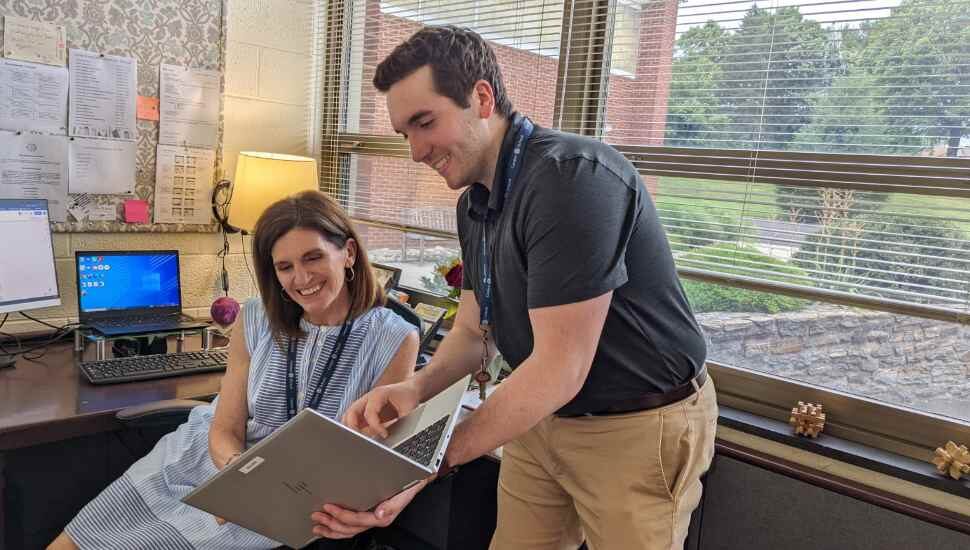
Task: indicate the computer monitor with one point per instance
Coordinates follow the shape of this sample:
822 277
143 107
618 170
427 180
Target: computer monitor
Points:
27 276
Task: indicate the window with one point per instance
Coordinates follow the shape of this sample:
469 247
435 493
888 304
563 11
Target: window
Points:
809 159
817 147
513 23
532 25
626 38
406 212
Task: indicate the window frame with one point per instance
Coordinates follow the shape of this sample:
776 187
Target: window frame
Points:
585 51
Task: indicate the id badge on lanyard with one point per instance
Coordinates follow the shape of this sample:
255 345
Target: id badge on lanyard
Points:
512 169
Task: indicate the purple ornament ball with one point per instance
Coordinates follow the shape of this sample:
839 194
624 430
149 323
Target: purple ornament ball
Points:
224 311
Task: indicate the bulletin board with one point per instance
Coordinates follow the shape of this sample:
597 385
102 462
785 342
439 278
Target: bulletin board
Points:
188 33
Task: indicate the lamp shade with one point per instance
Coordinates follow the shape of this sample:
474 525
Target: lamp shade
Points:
264 178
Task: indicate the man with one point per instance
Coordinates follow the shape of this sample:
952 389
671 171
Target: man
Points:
607 421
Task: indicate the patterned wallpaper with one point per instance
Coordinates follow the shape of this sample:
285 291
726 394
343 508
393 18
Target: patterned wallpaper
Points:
181 32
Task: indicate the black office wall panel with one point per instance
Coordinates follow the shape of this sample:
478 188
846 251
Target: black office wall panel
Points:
47 484
750 508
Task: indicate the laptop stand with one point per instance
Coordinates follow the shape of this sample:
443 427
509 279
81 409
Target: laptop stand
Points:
82 336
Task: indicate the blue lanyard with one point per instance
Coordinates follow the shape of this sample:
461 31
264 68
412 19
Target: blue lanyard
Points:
313 400
512 169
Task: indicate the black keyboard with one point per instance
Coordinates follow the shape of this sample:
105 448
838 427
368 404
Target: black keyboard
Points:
421 445
147 367
147 323
128 321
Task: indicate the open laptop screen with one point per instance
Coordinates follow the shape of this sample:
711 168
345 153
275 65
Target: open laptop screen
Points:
127 281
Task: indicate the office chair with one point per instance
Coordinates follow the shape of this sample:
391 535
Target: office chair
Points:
410 316
169 412
405 312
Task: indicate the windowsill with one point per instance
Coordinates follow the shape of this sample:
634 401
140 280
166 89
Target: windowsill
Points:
923 474
894 465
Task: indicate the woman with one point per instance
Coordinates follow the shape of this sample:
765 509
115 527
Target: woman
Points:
319 298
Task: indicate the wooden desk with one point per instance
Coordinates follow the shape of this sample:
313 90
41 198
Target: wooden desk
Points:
49 400
59 433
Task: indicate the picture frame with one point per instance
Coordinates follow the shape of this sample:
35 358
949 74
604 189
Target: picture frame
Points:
388 277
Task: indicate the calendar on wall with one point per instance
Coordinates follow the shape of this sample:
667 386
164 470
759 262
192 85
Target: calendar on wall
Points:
183 184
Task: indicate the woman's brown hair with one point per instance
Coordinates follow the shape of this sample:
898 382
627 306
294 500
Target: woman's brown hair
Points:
317 211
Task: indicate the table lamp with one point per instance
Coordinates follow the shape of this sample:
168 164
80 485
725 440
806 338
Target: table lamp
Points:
261 179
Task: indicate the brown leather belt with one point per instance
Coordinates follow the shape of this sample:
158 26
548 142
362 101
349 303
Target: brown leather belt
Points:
650 400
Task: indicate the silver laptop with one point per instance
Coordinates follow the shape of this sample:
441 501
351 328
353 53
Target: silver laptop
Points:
312 460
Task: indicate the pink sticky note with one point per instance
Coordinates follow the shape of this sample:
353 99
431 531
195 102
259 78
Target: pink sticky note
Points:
146 108
136 211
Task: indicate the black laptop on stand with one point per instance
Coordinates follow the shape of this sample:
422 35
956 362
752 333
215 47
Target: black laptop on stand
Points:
131 292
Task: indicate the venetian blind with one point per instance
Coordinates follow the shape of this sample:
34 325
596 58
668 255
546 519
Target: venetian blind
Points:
363 162
813 147
816 146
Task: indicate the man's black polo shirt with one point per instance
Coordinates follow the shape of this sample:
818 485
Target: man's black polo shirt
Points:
578 223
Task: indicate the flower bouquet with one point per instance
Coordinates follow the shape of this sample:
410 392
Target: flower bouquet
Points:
452 272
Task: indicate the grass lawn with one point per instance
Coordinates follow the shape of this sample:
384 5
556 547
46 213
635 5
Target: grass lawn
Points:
955 209
758 200
733 198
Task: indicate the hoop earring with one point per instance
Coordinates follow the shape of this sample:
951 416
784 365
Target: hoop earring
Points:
352 274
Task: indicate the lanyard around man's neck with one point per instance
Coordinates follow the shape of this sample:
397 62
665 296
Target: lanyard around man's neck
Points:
511 172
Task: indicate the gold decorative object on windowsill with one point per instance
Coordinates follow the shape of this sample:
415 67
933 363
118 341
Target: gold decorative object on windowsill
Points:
952 460
807 418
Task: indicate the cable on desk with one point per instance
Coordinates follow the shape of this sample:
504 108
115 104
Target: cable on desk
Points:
36 351
6 360
45 323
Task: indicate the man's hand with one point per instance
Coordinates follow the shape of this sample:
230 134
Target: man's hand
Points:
382 404
334 522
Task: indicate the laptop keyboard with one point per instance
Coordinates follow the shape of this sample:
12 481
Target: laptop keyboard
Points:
147 367
146 320
420 446
149 323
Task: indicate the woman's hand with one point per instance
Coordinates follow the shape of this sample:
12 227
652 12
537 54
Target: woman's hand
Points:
232 457
334 522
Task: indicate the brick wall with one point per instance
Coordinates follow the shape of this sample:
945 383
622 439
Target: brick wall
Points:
636 107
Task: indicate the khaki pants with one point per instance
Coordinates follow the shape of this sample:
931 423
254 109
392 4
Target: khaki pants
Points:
623 482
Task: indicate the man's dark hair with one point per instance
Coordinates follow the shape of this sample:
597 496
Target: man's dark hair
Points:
458 57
